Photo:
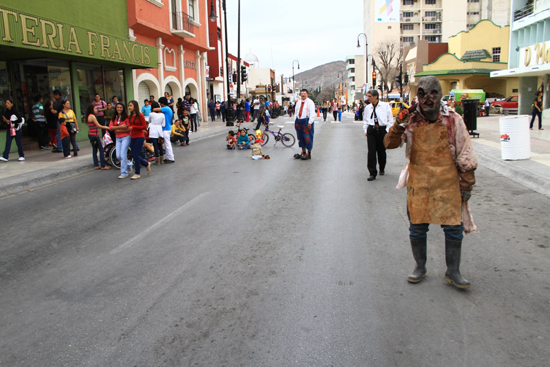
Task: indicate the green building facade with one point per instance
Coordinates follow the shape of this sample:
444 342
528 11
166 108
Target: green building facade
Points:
77 47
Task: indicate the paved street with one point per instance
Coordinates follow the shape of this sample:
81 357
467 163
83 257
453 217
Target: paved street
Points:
219 260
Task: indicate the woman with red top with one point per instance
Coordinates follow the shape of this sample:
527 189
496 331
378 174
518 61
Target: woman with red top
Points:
93 135
119 124
137 127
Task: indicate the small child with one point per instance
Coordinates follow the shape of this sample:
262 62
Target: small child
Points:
65 138
185 123
244 141
230 140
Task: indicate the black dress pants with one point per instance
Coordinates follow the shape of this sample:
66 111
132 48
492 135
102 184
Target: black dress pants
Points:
375 144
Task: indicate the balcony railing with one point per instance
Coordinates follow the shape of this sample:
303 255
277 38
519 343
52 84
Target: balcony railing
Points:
181 24
523 12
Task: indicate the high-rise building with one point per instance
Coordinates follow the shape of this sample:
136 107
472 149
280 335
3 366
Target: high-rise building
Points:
405 22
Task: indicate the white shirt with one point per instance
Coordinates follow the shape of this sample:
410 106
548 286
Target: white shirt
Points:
256 104
156 123
307 112
194 109
383 113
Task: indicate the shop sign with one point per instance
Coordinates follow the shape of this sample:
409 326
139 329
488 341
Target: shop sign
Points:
19 29
537 54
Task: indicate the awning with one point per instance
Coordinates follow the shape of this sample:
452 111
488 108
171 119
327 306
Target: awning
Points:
455 72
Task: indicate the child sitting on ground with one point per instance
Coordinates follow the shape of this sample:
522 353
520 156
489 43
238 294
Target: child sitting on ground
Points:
230 139
64 138
178 133
244 141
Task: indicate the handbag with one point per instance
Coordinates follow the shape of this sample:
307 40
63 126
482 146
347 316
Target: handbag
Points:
72 125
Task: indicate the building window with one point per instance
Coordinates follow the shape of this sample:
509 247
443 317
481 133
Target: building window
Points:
351 61
431 38
496 54
219 34
408 27
430 14
408 39
408 2
408 14
192 9
429 26
473 1
430 2
352 70
515 90
473 13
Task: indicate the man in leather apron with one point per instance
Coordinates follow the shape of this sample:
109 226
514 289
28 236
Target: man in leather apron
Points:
440 175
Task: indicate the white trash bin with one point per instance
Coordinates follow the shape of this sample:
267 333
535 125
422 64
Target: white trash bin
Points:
515 139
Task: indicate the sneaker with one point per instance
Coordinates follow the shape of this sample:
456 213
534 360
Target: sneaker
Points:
21 159
123 176
2 159
68 156
44 148
168 161
135 177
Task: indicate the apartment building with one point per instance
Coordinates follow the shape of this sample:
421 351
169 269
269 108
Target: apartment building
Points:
356 74
408 21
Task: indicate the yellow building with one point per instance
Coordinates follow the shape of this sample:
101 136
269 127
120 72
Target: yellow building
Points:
472 56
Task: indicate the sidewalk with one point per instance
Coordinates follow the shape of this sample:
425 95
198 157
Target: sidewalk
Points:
42 167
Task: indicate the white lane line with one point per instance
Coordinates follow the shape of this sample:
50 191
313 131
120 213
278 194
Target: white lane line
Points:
156 226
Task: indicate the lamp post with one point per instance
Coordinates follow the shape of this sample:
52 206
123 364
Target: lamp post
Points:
239 52
228 111
293 80
366 55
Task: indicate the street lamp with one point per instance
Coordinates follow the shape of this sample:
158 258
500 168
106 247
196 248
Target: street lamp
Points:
366 55
213 15
293 80
228 111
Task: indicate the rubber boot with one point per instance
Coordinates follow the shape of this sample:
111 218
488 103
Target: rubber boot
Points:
419 250
157 161
161 159
452 257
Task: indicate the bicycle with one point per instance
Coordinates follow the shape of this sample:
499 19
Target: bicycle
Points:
287 139
251 137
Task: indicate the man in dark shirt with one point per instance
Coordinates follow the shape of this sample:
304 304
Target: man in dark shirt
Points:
57 107
212 109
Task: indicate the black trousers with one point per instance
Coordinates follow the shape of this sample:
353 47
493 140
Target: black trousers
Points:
536 113
375 144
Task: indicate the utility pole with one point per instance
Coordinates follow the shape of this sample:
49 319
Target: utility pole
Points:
239 54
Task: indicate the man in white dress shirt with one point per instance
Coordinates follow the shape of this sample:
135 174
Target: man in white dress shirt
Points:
377 119
305 115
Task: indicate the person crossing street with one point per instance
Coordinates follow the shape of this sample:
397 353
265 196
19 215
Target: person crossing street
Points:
377 118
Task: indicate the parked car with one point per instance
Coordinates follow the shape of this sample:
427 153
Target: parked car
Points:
509 105
396 107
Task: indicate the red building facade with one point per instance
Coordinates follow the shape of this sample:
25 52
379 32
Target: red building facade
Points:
179 28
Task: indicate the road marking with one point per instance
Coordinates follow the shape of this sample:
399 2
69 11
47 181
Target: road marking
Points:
158 224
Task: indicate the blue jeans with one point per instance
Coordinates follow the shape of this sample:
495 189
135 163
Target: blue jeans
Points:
136 145
245 146
59 144
97 147
159 150
122 145
420 231
9 138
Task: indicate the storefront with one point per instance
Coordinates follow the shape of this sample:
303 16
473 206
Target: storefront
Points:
40 54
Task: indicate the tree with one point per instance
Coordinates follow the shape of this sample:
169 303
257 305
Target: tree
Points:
389 55
328 92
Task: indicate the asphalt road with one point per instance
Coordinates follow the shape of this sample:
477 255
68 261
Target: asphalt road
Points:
219 260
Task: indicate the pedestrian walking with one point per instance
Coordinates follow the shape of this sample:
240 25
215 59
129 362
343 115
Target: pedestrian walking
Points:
137 126
212 109
71 124
57 107
487 106
304 124
247 110
156 134
376 119
537 110
218 106
119 124
51 123
13 119
439 176
93 134
324 108
334 108
255 108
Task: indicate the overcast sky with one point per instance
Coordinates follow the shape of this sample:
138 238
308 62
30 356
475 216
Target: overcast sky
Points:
313 32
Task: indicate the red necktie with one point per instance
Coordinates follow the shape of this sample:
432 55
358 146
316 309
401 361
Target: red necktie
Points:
301 108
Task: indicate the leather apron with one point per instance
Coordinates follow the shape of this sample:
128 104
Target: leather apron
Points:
433 190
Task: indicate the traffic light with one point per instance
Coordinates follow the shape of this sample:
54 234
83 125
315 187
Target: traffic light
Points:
399 79
234 80
374 78
244 76
381 87
406 78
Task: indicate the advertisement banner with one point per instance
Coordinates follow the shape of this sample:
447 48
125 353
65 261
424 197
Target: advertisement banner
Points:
387 11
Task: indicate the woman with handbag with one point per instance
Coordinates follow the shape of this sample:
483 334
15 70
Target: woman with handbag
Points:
156 123
72 124
13 118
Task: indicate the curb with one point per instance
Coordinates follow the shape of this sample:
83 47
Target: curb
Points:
28 181
525 176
